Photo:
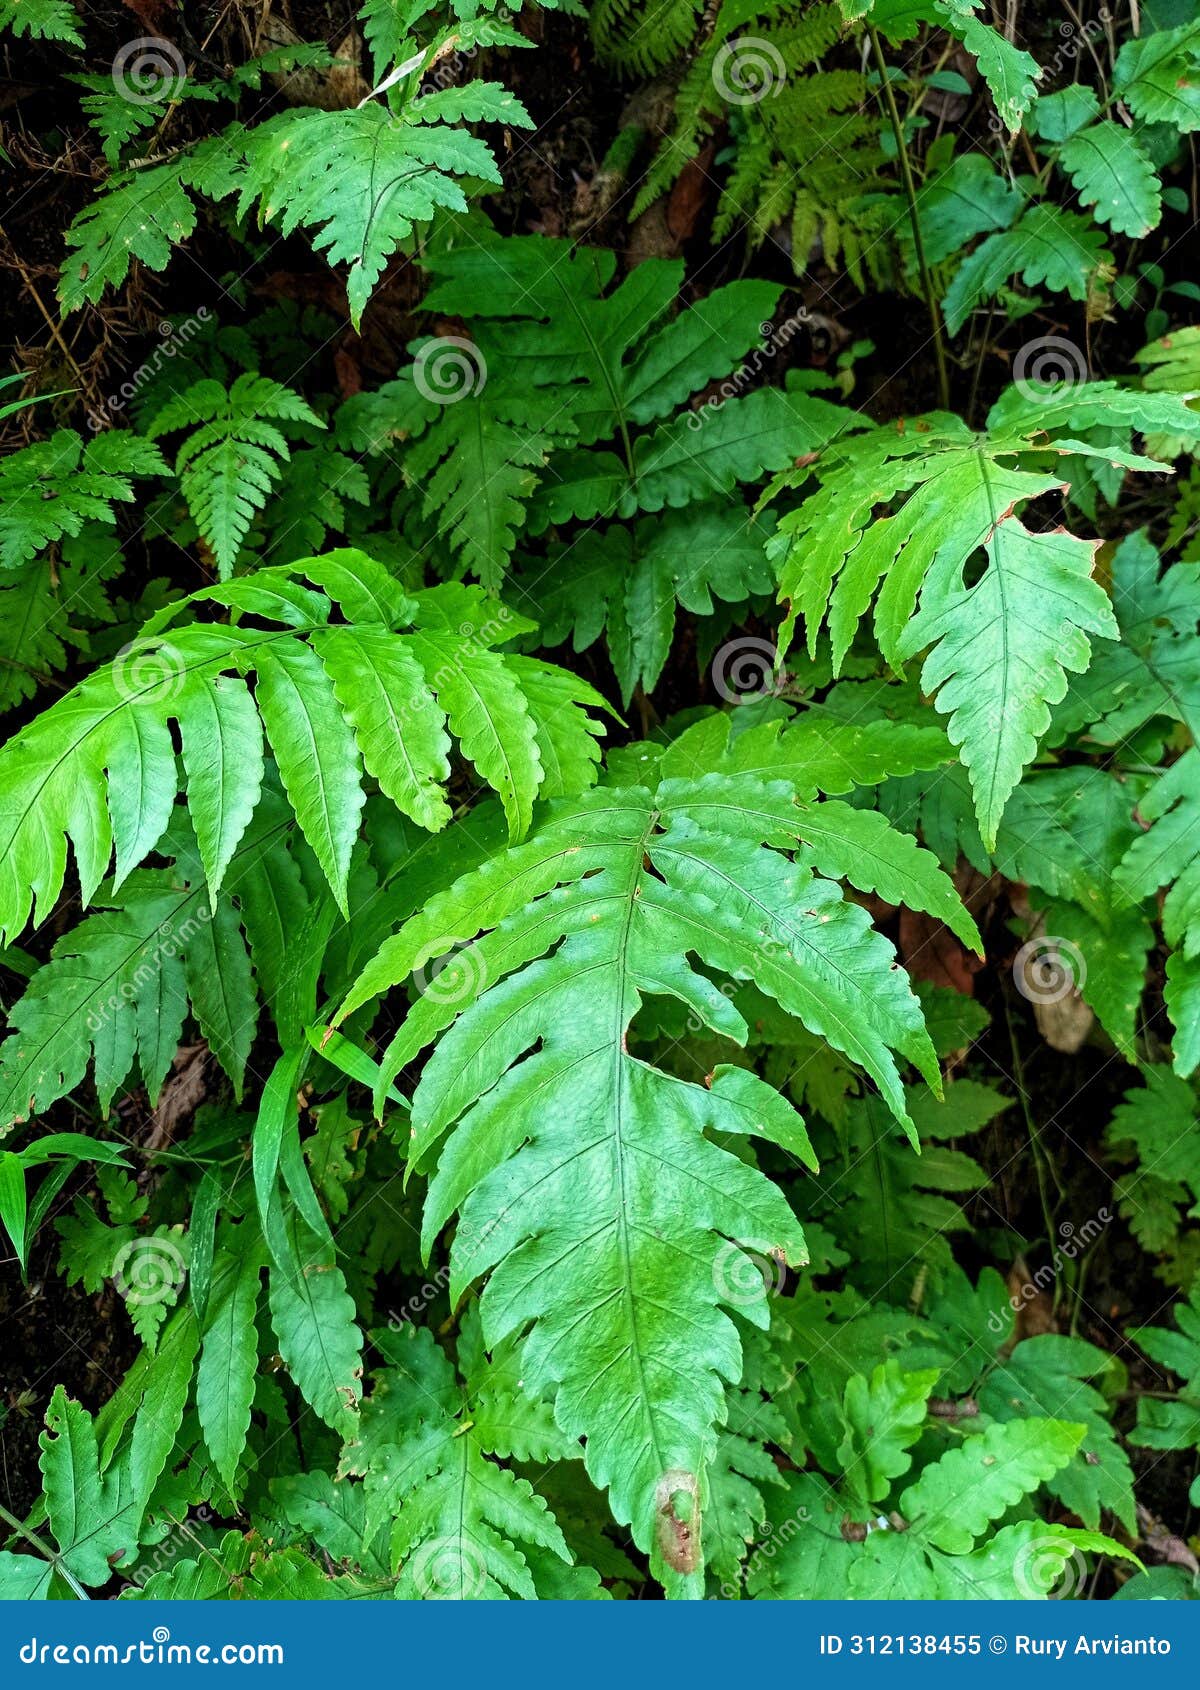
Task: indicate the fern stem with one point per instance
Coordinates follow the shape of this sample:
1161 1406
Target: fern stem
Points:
914 218
1035 1141
56 1561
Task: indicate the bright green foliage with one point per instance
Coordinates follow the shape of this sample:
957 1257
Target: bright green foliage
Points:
231 457
359 180
1173 1423
115 726
1043 1378
363 179
143 215
1010 73
1047 247
44 20
1155 1129
462 1526
1156 77
646 1206
1110 171
1167 855
950 1509
999 649
900 1221
931 1546
567 404
119 984
53 488
704 1069
94 1505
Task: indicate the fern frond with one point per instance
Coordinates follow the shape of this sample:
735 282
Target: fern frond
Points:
231 460
362 180
642 880
99 767
49 490
42 20
1001 648
461 1524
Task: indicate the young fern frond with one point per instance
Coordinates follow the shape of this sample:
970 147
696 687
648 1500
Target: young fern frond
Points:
233 454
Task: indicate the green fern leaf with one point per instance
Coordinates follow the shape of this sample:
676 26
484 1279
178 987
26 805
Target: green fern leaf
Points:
51 489
1001 648
1110 170
97 767
1046 1377
462 1524
1156 76
955 1499
144 214
225 1377
1011 73
744 909
42 20
362 180
1047 247
312 1315
229 465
